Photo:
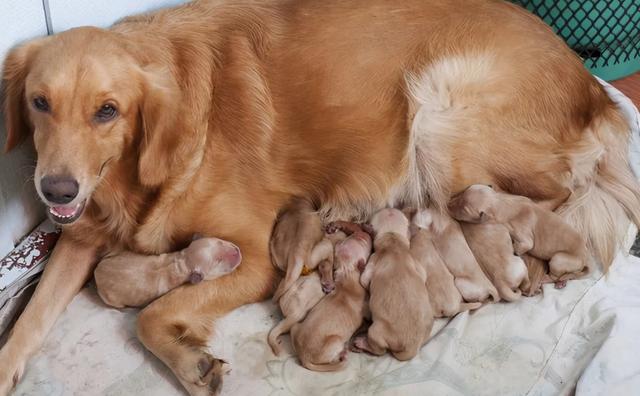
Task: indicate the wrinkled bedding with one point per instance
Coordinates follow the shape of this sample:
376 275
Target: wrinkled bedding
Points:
581 339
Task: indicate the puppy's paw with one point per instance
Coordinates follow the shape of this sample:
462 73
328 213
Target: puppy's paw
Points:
331 228
560 284
359 344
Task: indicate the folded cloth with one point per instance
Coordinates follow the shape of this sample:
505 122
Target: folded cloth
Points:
20 269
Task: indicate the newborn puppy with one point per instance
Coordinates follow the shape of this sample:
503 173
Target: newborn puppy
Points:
468 276
534 230
538 276
537 270
492 247
399 302
295 303
298 230
320 340
133 280
444 296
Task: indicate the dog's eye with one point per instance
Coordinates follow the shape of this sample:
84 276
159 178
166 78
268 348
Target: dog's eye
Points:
40 103
106 113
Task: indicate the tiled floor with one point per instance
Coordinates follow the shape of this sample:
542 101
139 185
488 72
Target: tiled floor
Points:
630 86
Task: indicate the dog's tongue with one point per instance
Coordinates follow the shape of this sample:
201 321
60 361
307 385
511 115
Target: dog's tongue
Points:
64 211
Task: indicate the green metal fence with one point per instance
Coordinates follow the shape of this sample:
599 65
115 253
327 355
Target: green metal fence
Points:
606 34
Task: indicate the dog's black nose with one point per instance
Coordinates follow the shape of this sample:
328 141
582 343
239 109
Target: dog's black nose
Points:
59 189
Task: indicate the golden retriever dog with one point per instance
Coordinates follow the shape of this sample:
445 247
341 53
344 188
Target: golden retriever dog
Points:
131 280
525 227
209 117
295 304
492 247
321 339
444 296
401 313
297 241
469 278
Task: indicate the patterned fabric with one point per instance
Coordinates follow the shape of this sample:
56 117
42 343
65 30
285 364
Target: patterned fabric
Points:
20 269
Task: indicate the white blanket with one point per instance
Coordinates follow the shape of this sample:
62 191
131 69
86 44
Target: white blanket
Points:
583 338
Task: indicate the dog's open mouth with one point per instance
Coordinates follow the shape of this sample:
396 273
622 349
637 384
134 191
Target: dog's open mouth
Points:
66 214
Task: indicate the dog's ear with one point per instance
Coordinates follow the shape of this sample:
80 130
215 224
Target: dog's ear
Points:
162 124
14 73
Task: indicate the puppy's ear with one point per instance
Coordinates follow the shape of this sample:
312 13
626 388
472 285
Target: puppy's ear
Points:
14 73
483 217
162 125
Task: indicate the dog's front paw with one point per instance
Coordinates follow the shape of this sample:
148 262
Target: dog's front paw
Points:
11 371
205 377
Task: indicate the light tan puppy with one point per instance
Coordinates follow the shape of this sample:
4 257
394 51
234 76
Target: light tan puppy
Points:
534 230
492 247
399 302
131 280
444 296
321 339
298 234
295 303
469 278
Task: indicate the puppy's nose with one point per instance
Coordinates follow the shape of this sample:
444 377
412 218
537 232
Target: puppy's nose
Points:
59 189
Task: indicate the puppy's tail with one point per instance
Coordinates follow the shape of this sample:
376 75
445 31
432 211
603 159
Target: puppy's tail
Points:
605 194
283 327
333 366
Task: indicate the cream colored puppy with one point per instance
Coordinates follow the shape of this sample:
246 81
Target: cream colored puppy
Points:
321 339
298 241
399 302
133 280
444 296
468 276
492 247
534 230
295 303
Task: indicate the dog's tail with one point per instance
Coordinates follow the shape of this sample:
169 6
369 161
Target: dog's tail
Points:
605 194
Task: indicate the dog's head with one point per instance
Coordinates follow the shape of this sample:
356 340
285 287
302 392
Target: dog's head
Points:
87 98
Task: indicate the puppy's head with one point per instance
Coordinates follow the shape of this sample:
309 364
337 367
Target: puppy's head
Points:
390 221
473 205
86 100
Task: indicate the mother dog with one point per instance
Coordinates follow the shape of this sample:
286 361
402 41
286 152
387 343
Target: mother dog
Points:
208 118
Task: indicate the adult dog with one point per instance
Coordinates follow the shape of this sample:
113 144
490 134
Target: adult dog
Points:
208 117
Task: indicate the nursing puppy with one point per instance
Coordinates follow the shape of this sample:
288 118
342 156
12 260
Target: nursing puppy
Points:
492 247
534 230
468 276
444 296
399 302
320 340
297 231
295 303
131 280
